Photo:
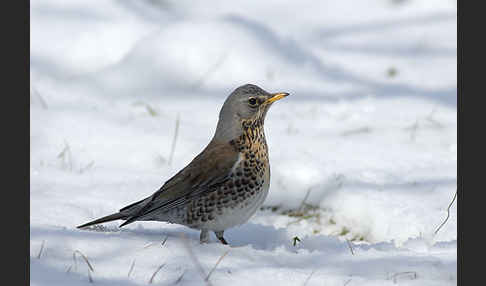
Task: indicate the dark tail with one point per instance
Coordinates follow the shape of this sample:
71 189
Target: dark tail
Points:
111 217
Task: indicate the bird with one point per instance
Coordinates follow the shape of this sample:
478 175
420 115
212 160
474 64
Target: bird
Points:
225 184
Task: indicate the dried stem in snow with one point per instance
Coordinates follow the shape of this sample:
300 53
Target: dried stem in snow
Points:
155 273
131 268
448 213
174 141
216 265
41 249
350 246
309 277
194 259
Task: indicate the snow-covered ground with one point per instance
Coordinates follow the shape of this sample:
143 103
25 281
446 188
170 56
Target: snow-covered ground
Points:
363 152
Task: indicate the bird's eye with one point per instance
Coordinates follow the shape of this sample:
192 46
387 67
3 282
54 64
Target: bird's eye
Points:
252 101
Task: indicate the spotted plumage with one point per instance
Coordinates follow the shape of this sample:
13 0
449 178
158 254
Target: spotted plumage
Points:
226 183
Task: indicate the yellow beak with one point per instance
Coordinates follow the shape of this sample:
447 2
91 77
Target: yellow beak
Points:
276 96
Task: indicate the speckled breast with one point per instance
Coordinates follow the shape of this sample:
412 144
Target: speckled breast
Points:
238 198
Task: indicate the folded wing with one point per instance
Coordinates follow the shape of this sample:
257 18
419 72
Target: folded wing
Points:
204 174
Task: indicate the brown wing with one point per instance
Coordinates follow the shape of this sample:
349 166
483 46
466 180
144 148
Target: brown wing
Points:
208 169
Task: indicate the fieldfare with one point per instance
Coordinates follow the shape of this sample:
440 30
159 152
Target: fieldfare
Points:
226 183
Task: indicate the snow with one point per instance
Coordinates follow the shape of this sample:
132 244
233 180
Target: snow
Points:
368 137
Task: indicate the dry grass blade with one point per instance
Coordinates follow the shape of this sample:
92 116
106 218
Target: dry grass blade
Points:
361 130
302 204
434 122
174 141
194 259
155 273
41 99
90 279
84 257
448 213
350 246
216 265
148 245
66 156
295 221
63 152
87 167
309 277
131 268
150 110
413 130
413 274
180 277
165 239
75 261
41 249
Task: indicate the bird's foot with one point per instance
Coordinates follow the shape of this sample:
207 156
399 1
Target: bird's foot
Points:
219 235
204 237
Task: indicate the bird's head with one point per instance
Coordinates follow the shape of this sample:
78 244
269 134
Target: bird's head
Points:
246 103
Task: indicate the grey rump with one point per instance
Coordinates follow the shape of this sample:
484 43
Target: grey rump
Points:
226 183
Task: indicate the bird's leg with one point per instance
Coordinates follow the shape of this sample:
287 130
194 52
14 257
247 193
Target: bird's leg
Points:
204 237
219 235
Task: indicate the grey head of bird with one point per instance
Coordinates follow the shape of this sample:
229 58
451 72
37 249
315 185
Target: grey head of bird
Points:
247 103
